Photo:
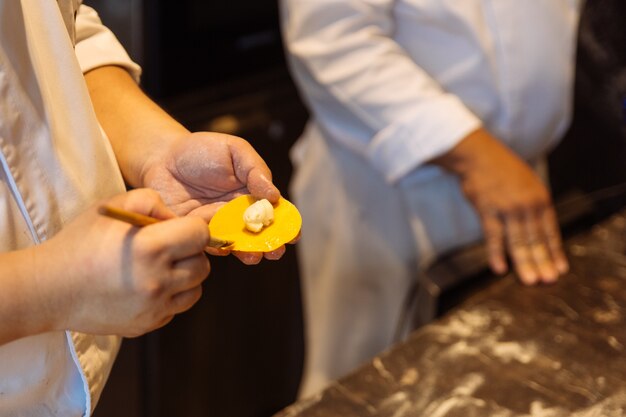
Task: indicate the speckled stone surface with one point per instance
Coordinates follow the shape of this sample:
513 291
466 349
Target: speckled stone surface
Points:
510 350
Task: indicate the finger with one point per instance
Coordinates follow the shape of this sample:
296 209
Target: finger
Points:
183 301
178 238
216 251
538 246
494 241
207 211
295 239
553 238
275 254
261 186
166 320
252 171
517 246
143 201
189 273
248 258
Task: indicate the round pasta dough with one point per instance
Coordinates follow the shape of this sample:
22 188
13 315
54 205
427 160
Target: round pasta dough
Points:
228 224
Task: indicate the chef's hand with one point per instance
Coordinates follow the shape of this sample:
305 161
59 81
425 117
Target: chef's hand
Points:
114 278
200 171
514 207
193 172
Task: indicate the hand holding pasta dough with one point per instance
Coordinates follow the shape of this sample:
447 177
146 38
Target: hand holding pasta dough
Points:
202 170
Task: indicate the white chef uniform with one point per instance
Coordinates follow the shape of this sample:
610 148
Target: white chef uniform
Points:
55 162
390 85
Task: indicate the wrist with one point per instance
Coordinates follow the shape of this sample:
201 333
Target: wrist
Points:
51 292
477 150
27 299
137 128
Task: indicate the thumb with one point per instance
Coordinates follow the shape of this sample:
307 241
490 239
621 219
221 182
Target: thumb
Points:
261 186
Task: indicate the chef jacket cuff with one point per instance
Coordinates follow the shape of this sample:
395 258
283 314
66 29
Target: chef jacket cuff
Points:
401 147
103 49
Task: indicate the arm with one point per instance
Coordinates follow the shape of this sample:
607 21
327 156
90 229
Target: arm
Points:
25 302
137 128
145 138
193 172
98 48
343 54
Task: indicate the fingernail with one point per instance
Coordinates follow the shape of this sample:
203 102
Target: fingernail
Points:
550 276
273 256
562 266
529 278
499 268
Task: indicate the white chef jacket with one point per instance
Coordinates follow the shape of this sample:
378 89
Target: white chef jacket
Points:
55 162
402 81
392 84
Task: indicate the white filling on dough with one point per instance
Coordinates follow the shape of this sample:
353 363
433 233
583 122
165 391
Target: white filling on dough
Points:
258 215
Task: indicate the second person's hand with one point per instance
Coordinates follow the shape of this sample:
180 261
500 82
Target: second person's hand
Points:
514 207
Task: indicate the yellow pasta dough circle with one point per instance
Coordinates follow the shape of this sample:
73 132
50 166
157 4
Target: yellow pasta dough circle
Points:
228 224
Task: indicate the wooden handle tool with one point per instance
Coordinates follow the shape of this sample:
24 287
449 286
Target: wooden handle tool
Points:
141 220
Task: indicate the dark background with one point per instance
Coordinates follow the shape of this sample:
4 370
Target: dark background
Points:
218 65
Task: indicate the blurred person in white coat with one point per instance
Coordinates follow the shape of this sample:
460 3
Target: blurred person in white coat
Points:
430 121
71 281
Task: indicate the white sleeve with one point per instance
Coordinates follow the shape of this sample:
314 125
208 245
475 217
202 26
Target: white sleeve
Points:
97 46
364 88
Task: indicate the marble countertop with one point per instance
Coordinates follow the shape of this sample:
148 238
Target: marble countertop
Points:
509 350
